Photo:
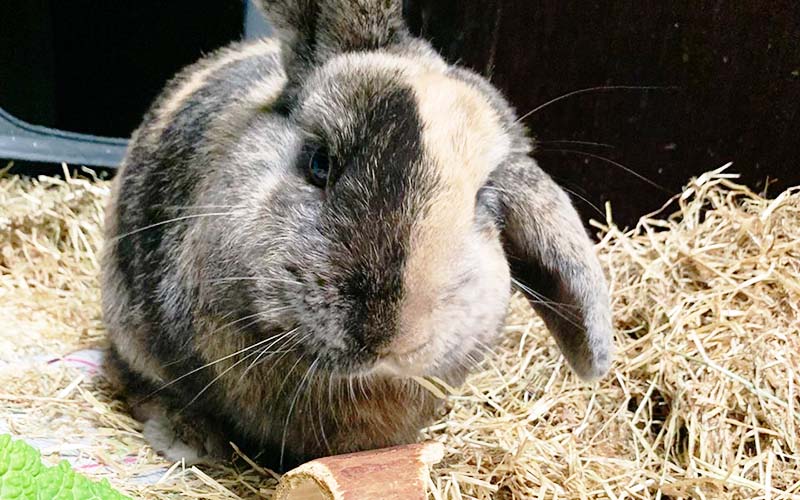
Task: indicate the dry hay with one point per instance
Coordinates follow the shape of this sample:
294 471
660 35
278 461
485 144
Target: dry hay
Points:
702 402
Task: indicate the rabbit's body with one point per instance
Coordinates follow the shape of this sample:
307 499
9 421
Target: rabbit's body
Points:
299 228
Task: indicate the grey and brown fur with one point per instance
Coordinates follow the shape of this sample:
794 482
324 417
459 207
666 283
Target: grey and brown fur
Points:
245 303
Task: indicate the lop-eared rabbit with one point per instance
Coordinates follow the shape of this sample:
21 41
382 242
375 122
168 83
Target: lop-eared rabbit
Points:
303 224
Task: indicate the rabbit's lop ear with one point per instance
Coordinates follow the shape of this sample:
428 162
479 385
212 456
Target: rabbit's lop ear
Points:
314 30
553 262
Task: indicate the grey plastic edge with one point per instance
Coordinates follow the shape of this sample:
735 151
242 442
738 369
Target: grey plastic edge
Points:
20 140
255 25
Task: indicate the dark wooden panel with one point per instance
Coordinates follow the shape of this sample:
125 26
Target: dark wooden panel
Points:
735 66
93 66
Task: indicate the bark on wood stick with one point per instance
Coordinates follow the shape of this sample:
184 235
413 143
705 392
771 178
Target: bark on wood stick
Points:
398 473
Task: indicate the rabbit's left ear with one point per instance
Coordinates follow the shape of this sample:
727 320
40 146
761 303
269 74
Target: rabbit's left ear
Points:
314 30
552 261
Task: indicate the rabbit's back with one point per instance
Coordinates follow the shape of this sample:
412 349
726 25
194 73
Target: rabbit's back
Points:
215 94
183 145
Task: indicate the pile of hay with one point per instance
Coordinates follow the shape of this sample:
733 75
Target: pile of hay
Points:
703 401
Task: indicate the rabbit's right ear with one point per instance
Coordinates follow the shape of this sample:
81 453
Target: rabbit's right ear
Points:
314 30
553 261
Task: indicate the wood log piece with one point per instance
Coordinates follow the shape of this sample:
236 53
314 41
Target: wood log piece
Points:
397 473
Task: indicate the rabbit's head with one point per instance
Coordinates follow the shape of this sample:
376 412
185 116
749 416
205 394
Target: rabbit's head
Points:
411 206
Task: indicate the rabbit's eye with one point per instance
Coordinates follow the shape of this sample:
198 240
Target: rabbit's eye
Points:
318 167
487 203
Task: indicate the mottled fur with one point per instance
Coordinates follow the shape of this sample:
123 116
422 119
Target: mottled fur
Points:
245 303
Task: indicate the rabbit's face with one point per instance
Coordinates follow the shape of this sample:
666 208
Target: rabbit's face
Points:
399 266
408 205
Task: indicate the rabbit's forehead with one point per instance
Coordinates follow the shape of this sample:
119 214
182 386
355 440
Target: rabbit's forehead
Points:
462 136
457 119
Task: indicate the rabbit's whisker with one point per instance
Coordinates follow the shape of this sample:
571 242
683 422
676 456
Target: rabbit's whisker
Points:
291 348
548 304
169 221
588 90
266 350
352 391
570 141
489 359
545 301
289 373
253 278
322 424
595 207
186 344
190 207
212 363
312 401
361 386
222 374
610 162
300 386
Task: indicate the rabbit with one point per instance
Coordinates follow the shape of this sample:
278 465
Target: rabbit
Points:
303 224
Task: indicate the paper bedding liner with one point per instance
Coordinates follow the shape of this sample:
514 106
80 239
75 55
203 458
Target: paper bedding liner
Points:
702 401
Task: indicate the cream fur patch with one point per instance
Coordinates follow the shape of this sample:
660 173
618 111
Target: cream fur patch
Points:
464 141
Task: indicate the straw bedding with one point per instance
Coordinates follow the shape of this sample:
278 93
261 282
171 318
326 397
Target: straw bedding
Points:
701 403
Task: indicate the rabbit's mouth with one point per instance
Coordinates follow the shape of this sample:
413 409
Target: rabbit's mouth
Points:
396 368
411 363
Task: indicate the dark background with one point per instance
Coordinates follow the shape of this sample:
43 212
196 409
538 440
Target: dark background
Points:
728 72
94 66
735 66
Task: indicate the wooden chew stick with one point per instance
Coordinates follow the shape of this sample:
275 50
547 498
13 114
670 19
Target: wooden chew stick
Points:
398 473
